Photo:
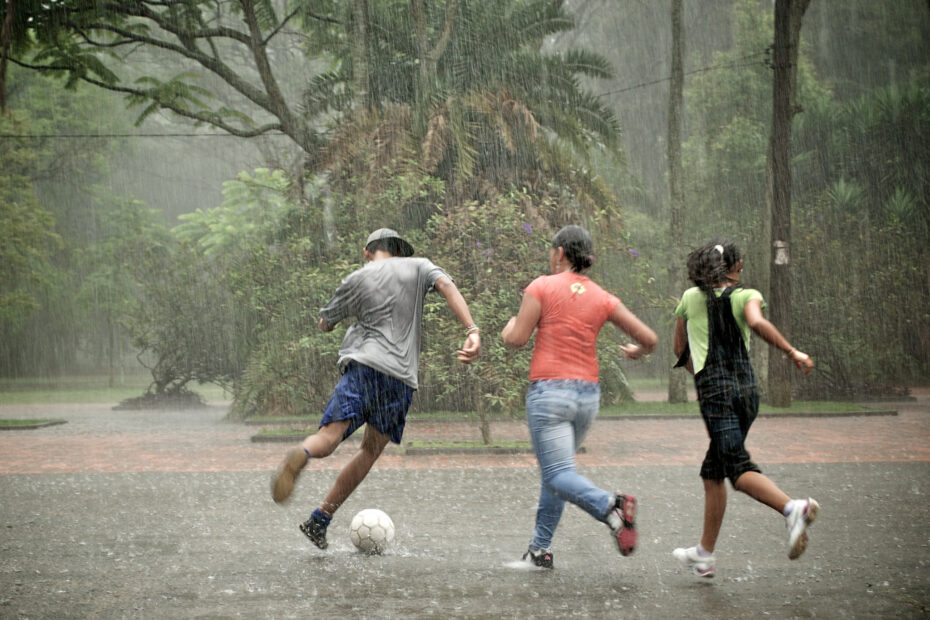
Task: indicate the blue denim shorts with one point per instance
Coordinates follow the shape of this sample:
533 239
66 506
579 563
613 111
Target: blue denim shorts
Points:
729 402
367 396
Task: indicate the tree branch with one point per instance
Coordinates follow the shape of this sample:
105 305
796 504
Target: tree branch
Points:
201 117
280 27
275 98
445 34
270 99
179 28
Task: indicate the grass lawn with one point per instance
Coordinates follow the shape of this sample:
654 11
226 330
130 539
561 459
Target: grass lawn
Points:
409 447
13 424
303 431
94 389
89 389
308 424
659 407
465 447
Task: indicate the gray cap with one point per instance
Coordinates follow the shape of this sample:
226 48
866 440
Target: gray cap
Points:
403 248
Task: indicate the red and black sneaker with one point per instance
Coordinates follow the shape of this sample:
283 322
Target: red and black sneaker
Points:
625 509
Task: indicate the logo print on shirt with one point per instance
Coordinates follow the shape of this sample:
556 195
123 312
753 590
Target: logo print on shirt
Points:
577 288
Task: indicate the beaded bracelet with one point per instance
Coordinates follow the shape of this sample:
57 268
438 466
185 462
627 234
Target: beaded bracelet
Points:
471 329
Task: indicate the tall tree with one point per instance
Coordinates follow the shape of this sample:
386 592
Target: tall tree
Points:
360 53
677 392
428 55
229 58
27 237
788 17
232 42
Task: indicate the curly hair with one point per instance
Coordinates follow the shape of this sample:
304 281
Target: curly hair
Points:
709 264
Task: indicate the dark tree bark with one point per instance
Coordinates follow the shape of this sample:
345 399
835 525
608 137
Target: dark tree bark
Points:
677 391
788 17
360 53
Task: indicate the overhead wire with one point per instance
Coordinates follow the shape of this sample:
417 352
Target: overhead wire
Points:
737 64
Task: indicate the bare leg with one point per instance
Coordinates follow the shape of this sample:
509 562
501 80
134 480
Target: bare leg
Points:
355 471
762 489
715 505
319 445
324 441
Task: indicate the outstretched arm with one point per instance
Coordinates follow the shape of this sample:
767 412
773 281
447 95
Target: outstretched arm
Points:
519 329
472 347
637 330
768 332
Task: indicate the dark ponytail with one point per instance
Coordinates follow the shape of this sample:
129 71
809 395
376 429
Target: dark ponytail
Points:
579 249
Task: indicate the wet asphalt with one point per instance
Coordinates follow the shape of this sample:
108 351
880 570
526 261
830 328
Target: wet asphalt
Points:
168 515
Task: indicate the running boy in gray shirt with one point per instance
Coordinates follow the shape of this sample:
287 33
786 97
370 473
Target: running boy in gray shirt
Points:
379 358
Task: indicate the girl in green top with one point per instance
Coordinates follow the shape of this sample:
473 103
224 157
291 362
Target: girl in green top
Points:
714 321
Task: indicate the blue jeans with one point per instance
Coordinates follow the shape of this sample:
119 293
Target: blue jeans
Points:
559 413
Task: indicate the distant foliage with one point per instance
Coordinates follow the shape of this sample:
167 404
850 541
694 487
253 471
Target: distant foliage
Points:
27 236
252 208
861 218
873 218
61 292
492 250
186 322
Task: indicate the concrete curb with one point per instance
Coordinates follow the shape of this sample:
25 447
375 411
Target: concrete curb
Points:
609 417
298 435
427 451
787 414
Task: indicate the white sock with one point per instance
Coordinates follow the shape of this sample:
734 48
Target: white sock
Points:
788 507
613 519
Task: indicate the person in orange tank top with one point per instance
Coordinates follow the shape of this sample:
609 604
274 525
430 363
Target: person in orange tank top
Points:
565 311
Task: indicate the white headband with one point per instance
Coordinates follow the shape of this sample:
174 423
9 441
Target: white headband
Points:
719 248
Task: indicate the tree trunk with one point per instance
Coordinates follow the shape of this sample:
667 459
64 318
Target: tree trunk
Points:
419 30
428 57
677 391
484 423
788 16
111 350
6 38
360 53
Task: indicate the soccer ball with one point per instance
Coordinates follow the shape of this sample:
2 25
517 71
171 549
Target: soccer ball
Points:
371 530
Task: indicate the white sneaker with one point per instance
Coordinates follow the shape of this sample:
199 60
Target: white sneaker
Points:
700 565
803 513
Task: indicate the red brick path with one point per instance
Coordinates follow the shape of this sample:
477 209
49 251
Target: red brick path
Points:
98 440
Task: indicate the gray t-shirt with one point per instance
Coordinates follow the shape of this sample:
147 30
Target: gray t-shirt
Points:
386 298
